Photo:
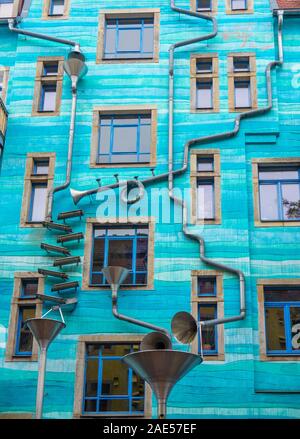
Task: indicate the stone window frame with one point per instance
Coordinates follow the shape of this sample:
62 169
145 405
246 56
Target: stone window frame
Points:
30 178
214 4
251 76
16 302
249 10
40 80
260 284
128 13
255 165
46 7
213 76
215 175
123 109
5 71
215 300
88 245
79 377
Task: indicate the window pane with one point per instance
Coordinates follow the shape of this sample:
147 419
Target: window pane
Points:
120 253
48 98
110 41
205 200
98 256
268 202
282 294
38 203
208 312
129 40
242 94
6 9
125 139
205 164
275 333
241 64
50 69
57 7
148 40
114 405
238 4
142 254
145 138
104 139
204 5
29 287
278 173
204 95
114 378
206 286
41 167
291 200
295 327
204 65
91 377
25 338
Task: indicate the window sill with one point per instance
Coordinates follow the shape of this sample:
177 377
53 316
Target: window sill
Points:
259 223
291 358
88 287
122 165
28 225
116 416
17 358
126 60
45 113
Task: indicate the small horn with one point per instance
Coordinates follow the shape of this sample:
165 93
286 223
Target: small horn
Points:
155 340
77 195
184 327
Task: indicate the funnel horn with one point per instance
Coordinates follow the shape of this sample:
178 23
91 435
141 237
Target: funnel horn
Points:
115 276
77 195
162 369
155 340
44 330
184 327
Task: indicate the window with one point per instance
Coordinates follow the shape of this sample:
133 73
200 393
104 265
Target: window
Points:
20 344
124 136
105 385
56 9
205 6
279 302
205 183
120 246
3 82
128 245
207 304
9 8
242 82
111 387
276 191
131 36
39 176
239 6
204 83
48 86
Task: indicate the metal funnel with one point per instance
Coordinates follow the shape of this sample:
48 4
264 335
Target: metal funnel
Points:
115 276
162 369
75 66
44 330
184 327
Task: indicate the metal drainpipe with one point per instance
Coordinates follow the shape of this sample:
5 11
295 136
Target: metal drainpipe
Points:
50 194
66 184
132 320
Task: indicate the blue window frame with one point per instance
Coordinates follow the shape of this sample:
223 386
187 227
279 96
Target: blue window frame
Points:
205 199
209 334
129 38
56 7
204 5
124 138
239 5
38 202
242 93
109 386
47 97
204 93
207 286
282 320
24 339
279 193
29 288
120 246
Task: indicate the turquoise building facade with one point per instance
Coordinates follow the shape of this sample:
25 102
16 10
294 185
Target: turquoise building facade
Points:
241 379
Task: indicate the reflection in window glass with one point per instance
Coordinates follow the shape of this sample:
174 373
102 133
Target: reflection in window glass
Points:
241 64
48 97
242 95
125 138
129 38
204 65
204 5
38 202
209 333
29 287
206 286
205 199
24 337
110 386
204 95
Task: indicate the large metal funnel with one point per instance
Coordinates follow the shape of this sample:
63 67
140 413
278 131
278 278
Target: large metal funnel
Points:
162 369
75 66
115 276
44 330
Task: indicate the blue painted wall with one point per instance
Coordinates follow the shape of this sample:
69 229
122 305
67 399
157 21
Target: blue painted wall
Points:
215 389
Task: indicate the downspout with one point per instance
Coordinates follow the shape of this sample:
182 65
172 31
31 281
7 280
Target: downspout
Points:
12 26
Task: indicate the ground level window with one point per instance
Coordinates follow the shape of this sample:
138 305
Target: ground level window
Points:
109 386
282 320
120 246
